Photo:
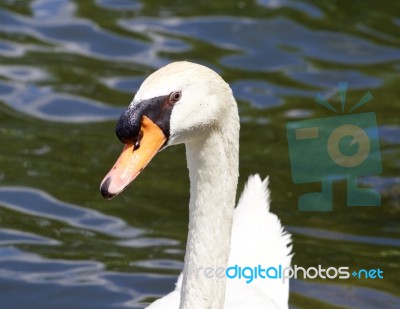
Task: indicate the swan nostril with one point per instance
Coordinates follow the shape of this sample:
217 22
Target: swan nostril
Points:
138 139
104 189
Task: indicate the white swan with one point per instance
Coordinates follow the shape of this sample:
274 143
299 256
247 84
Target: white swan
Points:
189 103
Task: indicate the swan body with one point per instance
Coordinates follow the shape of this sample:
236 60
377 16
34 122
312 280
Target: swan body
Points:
189 103
257 238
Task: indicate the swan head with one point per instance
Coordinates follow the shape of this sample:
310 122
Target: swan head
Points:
179 103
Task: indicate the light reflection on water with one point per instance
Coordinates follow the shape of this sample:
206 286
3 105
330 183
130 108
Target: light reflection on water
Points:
67 71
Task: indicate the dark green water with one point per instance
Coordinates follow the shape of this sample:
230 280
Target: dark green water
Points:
68 69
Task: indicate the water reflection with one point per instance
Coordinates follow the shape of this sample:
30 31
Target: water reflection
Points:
342 296
258 42
13 237
39 203
86 283
119 4
43 103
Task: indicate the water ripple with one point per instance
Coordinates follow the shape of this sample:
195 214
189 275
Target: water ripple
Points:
39 203
120 5
332 235
240 35
301 6
23 73
124 84
44 103
143 242
63 283
92 40
10 236
390 133
9 49
266 95
342 295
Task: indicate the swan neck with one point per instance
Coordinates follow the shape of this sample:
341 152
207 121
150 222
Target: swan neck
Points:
213 171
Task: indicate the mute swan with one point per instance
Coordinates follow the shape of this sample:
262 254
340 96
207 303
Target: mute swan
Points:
189 103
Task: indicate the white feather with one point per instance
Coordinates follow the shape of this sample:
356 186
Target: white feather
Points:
257 238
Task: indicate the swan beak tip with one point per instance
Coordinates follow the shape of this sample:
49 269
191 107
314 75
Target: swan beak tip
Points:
104 189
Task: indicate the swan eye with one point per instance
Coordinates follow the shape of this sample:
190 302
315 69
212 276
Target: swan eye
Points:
175 96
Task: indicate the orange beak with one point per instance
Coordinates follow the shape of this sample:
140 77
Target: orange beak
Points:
133 160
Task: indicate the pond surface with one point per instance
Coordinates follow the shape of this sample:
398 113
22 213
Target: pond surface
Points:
69 68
